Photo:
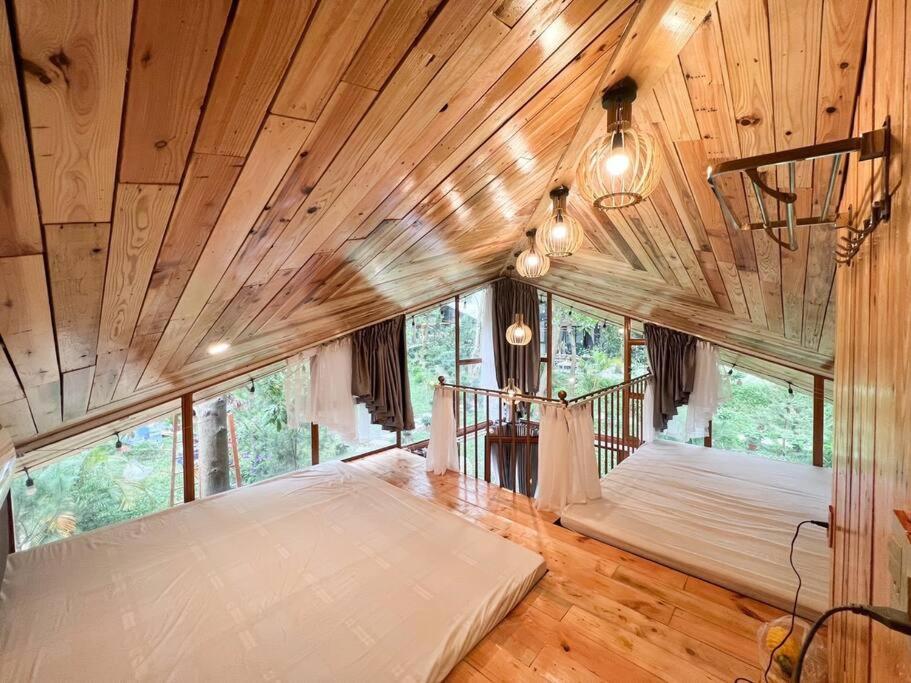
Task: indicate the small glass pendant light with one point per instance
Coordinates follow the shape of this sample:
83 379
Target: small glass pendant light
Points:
512 391
518 334
561 234
532 263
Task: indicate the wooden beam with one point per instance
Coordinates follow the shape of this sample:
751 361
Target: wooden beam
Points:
186 426
314 443
819 422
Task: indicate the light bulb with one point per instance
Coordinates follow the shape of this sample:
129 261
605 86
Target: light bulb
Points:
218 347
532 260
559 231
520 333
618 162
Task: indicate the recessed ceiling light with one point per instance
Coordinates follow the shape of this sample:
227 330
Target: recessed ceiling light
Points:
219 347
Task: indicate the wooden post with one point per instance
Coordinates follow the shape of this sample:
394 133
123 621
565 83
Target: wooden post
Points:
458 369
314 443
173 463
232 433
627 374
819 411
11 527
186 425
549 371
707 441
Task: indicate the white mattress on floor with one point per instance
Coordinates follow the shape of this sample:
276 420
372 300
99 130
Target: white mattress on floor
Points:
720 516
326 574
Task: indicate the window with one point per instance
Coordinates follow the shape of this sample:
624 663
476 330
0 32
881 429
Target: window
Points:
762 418
431 353
588 351
242 436
98 484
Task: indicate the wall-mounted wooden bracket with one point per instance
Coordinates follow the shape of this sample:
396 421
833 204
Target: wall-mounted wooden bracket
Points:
875 144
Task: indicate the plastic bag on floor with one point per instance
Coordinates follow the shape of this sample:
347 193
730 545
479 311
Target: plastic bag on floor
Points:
771 636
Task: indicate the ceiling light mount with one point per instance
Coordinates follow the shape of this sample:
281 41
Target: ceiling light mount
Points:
532 262
624 166
561 234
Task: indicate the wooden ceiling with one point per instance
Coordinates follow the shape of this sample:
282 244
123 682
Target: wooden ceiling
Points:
271 173
757 76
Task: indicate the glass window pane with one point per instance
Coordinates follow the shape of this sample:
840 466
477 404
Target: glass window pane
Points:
542 321
372 438
242 437
431 353
470 324
828 434
762 418
101 485
638 361
470 375
588 351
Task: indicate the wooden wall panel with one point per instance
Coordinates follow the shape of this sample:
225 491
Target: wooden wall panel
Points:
872 464
174 47
76 259
20 232
74 58
259 46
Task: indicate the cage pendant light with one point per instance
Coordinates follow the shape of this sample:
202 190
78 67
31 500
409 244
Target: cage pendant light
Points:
561 234
623 167
532 262
518 334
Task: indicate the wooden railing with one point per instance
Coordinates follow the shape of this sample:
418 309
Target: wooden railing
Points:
493 423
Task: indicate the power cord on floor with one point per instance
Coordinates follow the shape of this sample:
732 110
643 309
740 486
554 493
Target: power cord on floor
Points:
765 674
894 619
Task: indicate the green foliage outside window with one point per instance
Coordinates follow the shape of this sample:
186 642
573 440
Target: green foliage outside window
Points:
588 351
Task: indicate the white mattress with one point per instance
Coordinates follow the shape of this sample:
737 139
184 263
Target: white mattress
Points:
326 574
719 516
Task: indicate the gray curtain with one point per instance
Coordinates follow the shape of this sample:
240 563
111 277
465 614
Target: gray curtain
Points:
522 363
672 356
379 374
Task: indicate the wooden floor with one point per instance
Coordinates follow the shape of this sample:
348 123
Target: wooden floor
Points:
599 613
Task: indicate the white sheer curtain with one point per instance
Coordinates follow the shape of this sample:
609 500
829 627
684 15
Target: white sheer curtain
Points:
648 409
488 368
708 392
318 389
567 467
442 451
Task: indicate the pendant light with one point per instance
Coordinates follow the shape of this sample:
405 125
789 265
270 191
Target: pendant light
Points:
518 334
512 390
561 234
532 262
623 167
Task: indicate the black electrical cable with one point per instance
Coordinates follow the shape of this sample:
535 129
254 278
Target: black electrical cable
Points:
765 674
888 616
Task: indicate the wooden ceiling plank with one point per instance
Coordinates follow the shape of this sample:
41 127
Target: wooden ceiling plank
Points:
203 193
261 41
795 39
28 335
392 35
10 389
472 68
74 58
637 226
275 149
174 48
510 11
674 103
77 387
20 230
448 29
566 49
338 120
140 218
332 39
76 259
16 418
842 43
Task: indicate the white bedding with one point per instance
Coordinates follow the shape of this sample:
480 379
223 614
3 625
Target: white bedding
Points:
326 574
720 516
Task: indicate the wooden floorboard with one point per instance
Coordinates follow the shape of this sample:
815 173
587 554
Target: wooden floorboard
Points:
599 613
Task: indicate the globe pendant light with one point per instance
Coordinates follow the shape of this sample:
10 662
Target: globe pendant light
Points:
561 234
532 262
518 334
623 167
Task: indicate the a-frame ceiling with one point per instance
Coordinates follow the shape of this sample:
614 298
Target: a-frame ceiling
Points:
271 173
